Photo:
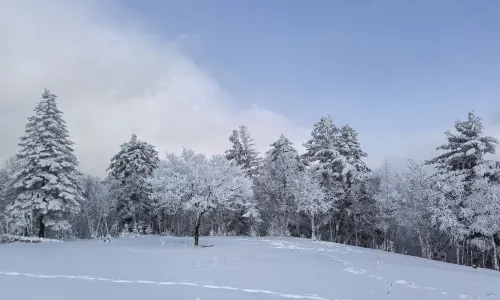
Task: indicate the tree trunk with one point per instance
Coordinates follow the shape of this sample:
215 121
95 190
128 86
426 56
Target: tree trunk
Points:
470 254
41 230
495 255
297 227
484 260
423 248
313 228
106 228
178 220
197 229
463 253
356 243
331 231
458 253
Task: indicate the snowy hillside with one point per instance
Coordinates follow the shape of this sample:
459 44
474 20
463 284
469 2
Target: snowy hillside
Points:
150 268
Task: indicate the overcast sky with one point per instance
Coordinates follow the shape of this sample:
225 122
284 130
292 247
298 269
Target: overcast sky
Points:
185 73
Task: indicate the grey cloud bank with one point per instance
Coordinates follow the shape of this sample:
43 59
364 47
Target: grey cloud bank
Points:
113 80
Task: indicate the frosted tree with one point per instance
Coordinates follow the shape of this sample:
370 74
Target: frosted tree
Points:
243 154
202 185
224 187
354 167
278 184
47 187
252 213
10 167
323 157
128 180
311 200
416 204
363 211
173 182
250 156
96 211
387 199
7 191
243 151
458 168
353 171
235 154
464 154
485 203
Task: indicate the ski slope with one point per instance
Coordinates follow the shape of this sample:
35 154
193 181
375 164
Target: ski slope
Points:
150 268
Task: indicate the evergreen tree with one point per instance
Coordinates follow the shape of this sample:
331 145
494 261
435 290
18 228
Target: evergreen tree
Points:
353 171
278 183
235 154
349 147
323 157
130 171
47 186
458 170
250 159
464 154
327 164
243 154
243 151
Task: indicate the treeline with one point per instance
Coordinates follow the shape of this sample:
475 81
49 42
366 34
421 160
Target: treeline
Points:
449 211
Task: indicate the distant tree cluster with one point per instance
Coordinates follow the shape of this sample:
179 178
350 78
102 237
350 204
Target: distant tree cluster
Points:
450 212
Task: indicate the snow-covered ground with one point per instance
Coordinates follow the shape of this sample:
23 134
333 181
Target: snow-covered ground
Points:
169 268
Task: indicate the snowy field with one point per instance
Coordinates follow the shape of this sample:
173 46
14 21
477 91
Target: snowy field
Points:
169 268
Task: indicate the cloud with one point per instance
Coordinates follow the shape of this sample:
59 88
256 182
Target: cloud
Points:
113 80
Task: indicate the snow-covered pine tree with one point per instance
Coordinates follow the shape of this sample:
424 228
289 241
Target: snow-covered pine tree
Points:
278 184
349 147
458 169
464 154
323 157
352 173
47 187
129 174
235 154
243 154
243 151
326 163
250 156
